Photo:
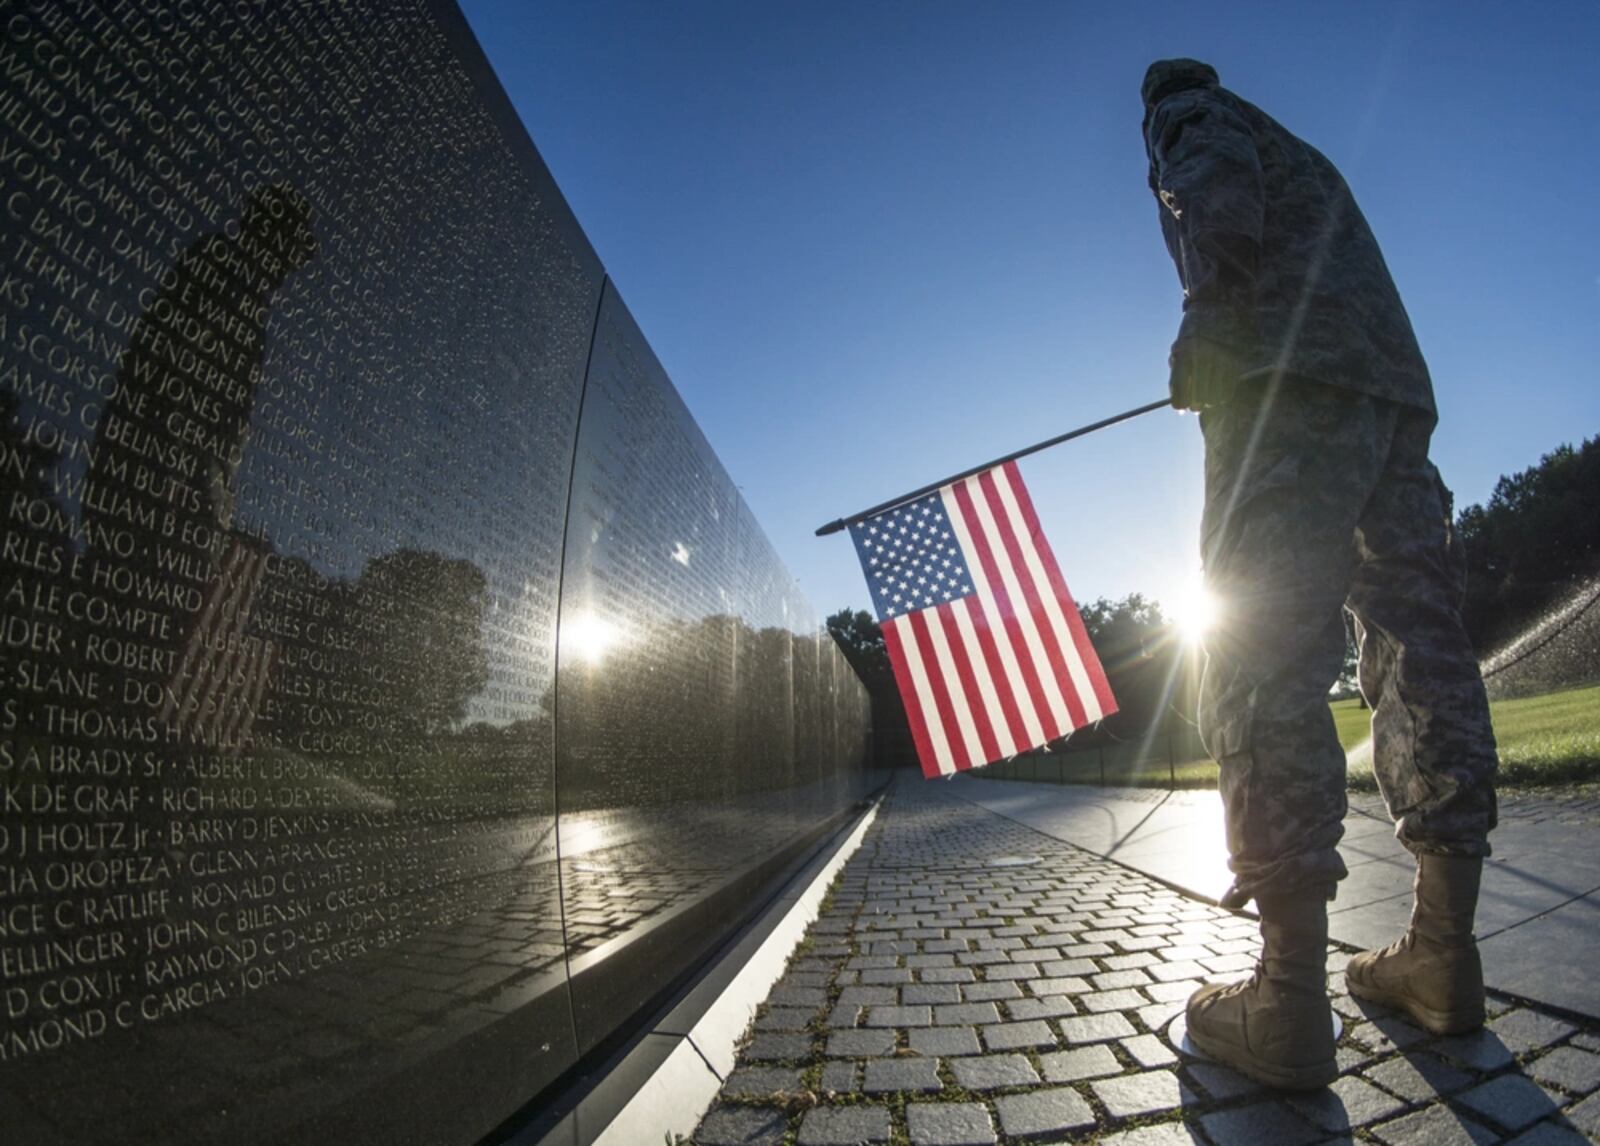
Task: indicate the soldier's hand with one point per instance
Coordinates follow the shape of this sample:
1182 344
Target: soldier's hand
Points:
1204 373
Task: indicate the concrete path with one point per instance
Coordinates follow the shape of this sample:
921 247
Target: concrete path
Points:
974 980
1538 914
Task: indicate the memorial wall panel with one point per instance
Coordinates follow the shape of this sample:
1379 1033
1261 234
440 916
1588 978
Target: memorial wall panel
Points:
683 773
293 335
291 351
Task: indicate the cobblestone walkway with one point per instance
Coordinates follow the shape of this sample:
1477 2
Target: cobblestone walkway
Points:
972 981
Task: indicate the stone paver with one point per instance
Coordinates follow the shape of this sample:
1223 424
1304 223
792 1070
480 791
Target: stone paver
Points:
993 1072
1149 1092
1149 1051
988 992
1018 1036
1435 1126
1569 1068
893 1075
966 1014
944 1041
1053 1007
1072 1065
840 1077
1052 1112
899 1017
762 1080
1523 1029
1270 1121
1418 1077
1161 1134
945 1001
1586 1116
774 1047
844 1126
950 1124
859 1044
742 1126
785 1019
1096 1028
1481 1050
1347 1104
1550 1134
1511 1100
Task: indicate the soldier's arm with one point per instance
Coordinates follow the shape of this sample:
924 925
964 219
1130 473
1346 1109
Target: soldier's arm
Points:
1208 176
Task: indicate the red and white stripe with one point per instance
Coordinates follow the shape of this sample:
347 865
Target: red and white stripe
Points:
1008 667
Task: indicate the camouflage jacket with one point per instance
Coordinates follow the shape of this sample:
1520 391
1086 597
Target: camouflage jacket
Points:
1275 257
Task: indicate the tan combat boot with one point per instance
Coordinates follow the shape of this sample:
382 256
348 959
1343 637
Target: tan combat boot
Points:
1277 1026
1433 972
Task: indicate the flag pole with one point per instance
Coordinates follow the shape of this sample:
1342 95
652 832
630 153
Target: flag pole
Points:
836 525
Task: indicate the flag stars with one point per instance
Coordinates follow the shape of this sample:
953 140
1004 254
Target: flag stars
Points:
910 558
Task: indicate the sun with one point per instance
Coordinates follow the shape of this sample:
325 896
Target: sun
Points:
588 638
1194 612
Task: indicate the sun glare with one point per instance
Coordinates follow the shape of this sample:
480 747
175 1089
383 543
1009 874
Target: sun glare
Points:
589 637
1194 612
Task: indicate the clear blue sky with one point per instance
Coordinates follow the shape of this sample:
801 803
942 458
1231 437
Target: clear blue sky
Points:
874 243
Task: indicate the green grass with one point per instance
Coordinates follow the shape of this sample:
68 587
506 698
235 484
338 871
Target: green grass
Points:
1544 740
1549 739
1353 722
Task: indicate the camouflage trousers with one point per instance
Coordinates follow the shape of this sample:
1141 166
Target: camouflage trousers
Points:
1318 499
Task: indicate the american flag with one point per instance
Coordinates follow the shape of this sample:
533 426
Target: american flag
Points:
988 650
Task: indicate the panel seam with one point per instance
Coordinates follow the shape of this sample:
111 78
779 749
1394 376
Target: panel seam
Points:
555 677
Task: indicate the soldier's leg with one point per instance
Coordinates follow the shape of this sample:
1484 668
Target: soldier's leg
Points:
1433 748
1288 473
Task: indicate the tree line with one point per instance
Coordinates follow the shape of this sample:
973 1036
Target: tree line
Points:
1531 544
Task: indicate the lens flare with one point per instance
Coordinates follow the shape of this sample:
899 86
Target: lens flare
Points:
1195 612
588 638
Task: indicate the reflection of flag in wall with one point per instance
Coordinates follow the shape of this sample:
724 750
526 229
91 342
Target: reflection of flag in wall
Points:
216 691
988 649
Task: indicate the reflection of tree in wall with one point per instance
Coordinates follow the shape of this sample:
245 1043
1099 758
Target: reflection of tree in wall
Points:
389 660
861 642
690 711
764 712
420 615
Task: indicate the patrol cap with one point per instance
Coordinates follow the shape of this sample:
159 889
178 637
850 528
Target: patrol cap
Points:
1164 77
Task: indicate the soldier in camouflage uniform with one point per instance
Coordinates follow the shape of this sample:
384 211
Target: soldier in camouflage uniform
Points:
1316 408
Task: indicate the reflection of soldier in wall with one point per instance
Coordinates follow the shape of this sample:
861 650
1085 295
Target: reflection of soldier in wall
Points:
168 450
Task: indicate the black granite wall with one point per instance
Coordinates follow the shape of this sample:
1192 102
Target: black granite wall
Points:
395 693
